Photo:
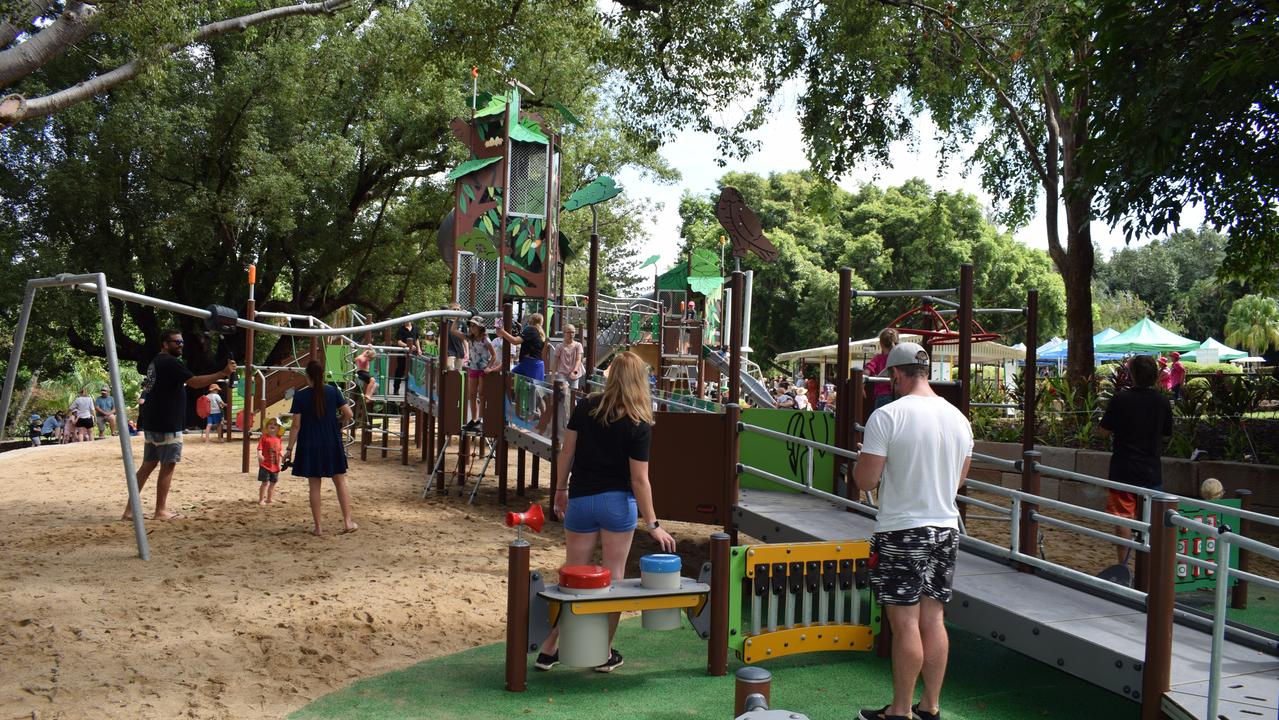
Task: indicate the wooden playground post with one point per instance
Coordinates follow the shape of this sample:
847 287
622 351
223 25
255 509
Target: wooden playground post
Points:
731 484
533 472
1028 532
520 460
842 361
557 405
1239 593
965 358
856 406
250 312
517 585
1156 674
592 302
717 647
735 340
1029 386
502 470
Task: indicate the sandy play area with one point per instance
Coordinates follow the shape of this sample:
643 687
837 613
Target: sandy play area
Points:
241 613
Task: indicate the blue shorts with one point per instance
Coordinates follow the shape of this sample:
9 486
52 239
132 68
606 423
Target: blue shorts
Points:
612 511
215 418
530 367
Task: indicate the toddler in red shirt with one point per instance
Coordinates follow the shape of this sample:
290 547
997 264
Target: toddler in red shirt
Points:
270 449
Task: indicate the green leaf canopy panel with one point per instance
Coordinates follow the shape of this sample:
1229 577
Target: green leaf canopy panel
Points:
1147 336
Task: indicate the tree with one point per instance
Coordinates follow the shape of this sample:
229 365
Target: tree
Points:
315 151
1253 324
1119 309
906 236
1000 74
1208 73
34 33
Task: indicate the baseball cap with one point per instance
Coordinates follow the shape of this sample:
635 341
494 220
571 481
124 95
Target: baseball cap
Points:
35 417
105 389
907 353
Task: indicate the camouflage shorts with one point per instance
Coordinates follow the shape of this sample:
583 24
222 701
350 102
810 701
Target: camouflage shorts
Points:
905 564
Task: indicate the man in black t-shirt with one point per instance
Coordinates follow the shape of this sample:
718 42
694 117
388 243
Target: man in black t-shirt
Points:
406 337
163 416
1138 419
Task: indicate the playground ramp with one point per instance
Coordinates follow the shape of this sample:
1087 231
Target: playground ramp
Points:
1093 638
751 385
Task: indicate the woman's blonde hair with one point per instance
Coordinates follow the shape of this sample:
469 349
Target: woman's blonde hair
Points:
536 320
625 392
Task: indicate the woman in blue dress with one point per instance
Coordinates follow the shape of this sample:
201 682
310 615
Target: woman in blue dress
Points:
318 437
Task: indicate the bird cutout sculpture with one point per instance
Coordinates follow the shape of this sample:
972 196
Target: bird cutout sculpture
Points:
742 226
597 191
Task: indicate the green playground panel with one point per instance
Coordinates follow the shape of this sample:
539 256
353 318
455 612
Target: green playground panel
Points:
1203 547
788 459
739 618
337 363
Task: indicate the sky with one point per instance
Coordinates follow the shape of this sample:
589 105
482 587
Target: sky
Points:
781 149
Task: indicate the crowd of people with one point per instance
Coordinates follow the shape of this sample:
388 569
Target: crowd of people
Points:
78 421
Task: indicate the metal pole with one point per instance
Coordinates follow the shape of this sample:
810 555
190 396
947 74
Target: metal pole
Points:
965 337
11 373
593 303
1030 371
1157 672
1239 595
717 647
517 583
250 312
1218 624
122 421
1028 529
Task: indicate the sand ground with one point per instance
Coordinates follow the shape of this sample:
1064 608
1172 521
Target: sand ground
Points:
241 613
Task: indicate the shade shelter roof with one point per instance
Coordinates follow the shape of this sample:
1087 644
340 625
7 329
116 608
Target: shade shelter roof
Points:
1224 352
988 352
1061 350
1147 336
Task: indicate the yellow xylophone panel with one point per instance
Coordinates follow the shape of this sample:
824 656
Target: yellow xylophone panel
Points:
814 638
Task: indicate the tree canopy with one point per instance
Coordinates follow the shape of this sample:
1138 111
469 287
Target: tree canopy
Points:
905 236
316 148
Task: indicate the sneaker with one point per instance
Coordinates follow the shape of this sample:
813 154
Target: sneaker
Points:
614 662
880 714
923 714
545 662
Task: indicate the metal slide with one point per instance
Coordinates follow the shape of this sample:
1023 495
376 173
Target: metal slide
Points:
751 385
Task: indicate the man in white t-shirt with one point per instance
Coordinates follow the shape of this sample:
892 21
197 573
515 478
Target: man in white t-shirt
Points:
916 450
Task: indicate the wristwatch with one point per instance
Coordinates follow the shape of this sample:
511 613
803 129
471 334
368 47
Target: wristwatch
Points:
652 525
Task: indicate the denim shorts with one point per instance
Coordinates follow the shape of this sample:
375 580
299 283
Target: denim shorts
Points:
612 511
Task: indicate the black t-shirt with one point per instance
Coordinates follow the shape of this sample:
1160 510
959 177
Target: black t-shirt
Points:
457 346
532 344
602 459
1139 418
165 408
408 335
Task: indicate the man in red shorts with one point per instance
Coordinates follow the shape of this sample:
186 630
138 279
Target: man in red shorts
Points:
1138 419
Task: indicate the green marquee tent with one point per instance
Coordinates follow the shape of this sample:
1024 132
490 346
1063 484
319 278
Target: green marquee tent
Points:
1147 336
1224 352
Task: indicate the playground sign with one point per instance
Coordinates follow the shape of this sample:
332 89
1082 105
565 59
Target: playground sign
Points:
1196 545
788 459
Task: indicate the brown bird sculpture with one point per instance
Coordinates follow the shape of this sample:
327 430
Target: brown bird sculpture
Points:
742 226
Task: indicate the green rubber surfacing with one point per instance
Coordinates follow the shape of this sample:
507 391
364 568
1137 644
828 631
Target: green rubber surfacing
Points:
664 678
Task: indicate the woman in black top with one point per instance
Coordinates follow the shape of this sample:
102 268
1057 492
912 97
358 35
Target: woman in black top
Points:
606 446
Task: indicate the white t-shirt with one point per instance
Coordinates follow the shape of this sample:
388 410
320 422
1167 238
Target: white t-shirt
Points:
83 407
924 441
216 403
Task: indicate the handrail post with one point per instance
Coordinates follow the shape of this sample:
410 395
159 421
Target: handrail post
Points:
856 406
1239 594
717 647
1028 535
1157 668
728 500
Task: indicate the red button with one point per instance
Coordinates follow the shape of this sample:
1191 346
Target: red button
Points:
584 577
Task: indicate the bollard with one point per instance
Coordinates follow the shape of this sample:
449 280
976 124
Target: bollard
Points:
717 646
1157 671
751 680
1239 593
517 582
